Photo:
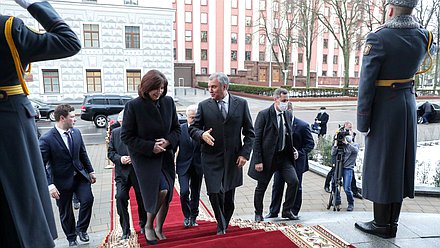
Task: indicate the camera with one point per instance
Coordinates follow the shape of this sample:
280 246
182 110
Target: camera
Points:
341 134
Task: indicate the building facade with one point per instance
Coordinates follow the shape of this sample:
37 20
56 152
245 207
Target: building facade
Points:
121 41
226 36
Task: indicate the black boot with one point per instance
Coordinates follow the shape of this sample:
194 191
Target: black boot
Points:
395 212
380 226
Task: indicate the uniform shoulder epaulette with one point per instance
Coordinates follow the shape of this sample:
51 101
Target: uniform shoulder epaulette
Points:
379 28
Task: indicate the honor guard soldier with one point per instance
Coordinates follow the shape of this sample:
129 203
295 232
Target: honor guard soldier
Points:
25 209
386 113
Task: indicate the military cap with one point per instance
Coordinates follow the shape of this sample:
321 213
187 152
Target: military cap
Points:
404 3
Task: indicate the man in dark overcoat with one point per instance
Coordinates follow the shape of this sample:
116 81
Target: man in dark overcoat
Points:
189 170
68 170
125 178
219 124
273 152
25 208
386 114
304 144
322 118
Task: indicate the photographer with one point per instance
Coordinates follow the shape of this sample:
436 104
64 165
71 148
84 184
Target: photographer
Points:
344 140
356 192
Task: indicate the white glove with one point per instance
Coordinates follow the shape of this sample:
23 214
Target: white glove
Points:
25 3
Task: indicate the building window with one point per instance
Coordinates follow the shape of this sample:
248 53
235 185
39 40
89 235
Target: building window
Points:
247 55
188 54
325 43
275 6
51 81
204 54
262 39
262 4
233 71
261 56
93 78
324 58
248 39
132 37
204 36
188 1
133 80
234 21
174 53
234 38
335 59
188 35
356 60
336 45
91 35
204 70
204 2
234 4
234 55
356 74
174 34
324 73
300 58
248 4
188 17
335 73
204 18
300 72
248 21
131 2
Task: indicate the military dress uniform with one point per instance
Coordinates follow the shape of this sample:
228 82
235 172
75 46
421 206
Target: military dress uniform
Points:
25 207
387 113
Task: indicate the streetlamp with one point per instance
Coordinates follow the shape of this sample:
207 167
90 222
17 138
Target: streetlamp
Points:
285 76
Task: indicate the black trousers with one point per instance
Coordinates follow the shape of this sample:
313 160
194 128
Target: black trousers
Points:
82 188
284 167
329 177
190 183
277 194
122 196
223 207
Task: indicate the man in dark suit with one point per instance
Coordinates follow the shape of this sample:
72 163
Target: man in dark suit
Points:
386 113
219 124
25 207
189 169
125 178
303 142
322 119
273 151
68 170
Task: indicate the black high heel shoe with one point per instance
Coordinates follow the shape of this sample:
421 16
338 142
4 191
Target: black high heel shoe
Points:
153 241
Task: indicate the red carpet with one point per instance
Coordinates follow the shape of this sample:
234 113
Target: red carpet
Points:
205 235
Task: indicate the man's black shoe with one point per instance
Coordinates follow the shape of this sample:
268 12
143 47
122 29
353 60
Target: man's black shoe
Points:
271 215
327 189
83 236
125 236
142 230
194 222
259 217
357 195
289 215
186 222
73 243
371 227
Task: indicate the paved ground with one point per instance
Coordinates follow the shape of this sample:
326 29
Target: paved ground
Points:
418 226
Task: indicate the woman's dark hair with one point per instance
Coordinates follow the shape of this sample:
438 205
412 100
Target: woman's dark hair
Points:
152 80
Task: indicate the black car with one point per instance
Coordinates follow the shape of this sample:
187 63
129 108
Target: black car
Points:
435 115
96 108
46 110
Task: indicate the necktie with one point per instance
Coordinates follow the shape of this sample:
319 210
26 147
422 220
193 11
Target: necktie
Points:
281 134
69 141
223 109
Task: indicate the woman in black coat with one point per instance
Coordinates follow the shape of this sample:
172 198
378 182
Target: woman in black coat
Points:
151 131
